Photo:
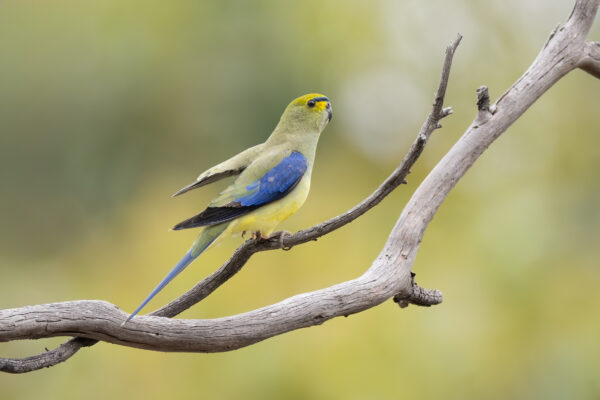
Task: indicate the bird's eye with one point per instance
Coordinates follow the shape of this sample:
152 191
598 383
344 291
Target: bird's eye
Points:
311 103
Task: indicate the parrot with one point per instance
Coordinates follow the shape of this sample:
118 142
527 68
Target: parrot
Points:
273 181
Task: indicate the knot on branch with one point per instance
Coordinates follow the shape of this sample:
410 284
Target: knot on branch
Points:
418 296
590 62
483 106
483 98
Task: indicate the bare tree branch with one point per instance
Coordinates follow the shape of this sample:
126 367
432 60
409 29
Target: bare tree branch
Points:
389 275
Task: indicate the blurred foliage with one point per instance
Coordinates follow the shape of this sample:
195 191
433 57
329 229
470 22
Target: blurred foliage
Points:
107 107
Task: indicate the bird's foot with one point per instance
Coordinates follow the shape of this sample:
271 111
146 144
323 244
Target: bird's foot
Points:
256 235
243 234
283 235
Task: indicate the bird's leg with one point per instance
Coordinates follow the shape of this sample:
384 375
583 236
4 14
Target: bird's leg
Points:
256 235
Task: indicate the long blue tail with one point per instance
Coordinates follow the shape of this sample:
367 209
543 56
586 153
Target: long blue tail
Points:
206 237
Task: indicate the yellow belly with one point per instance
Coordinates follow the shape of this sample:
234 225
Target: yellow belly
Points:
266 218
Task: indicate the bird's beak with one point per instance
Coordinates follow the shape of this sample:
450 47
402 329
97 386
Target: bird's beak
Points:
329 112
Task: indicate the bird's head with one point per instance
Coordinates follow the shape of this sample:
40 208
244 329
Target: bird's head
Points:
310 113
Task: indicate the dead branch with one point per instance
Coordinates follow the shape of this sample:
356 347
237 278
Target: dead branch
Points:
389 275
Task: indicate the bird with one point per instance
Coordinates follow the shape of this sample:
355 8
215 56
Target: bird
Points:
273 181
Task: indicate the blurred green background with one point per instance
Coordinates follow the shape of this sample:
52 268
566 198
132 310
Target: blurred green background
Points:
107 107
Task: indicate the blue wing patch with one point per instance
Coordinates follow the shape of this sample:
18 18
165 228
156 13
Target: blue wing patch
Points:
275 184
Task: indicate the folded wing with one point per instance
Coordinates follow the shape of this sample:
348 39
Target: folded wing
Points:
243 197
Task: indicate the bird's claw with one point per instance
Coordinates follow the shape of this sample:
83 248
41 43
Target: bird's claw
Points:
283 235
256 235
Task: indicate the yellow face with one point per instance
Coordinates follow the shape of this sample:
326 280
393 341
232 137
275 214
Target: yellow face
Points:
308 113
311 112
315 101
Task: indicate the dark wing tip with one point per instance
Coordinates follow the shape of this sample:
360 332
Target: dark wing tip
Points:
214 216
188 223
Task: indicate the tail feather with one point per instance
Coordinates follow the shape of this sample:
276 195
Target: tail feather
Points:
204 240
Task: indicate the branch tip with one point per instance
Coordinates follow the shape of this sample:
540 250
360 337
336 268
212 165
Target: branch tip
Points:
419 296
446 111
454 44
